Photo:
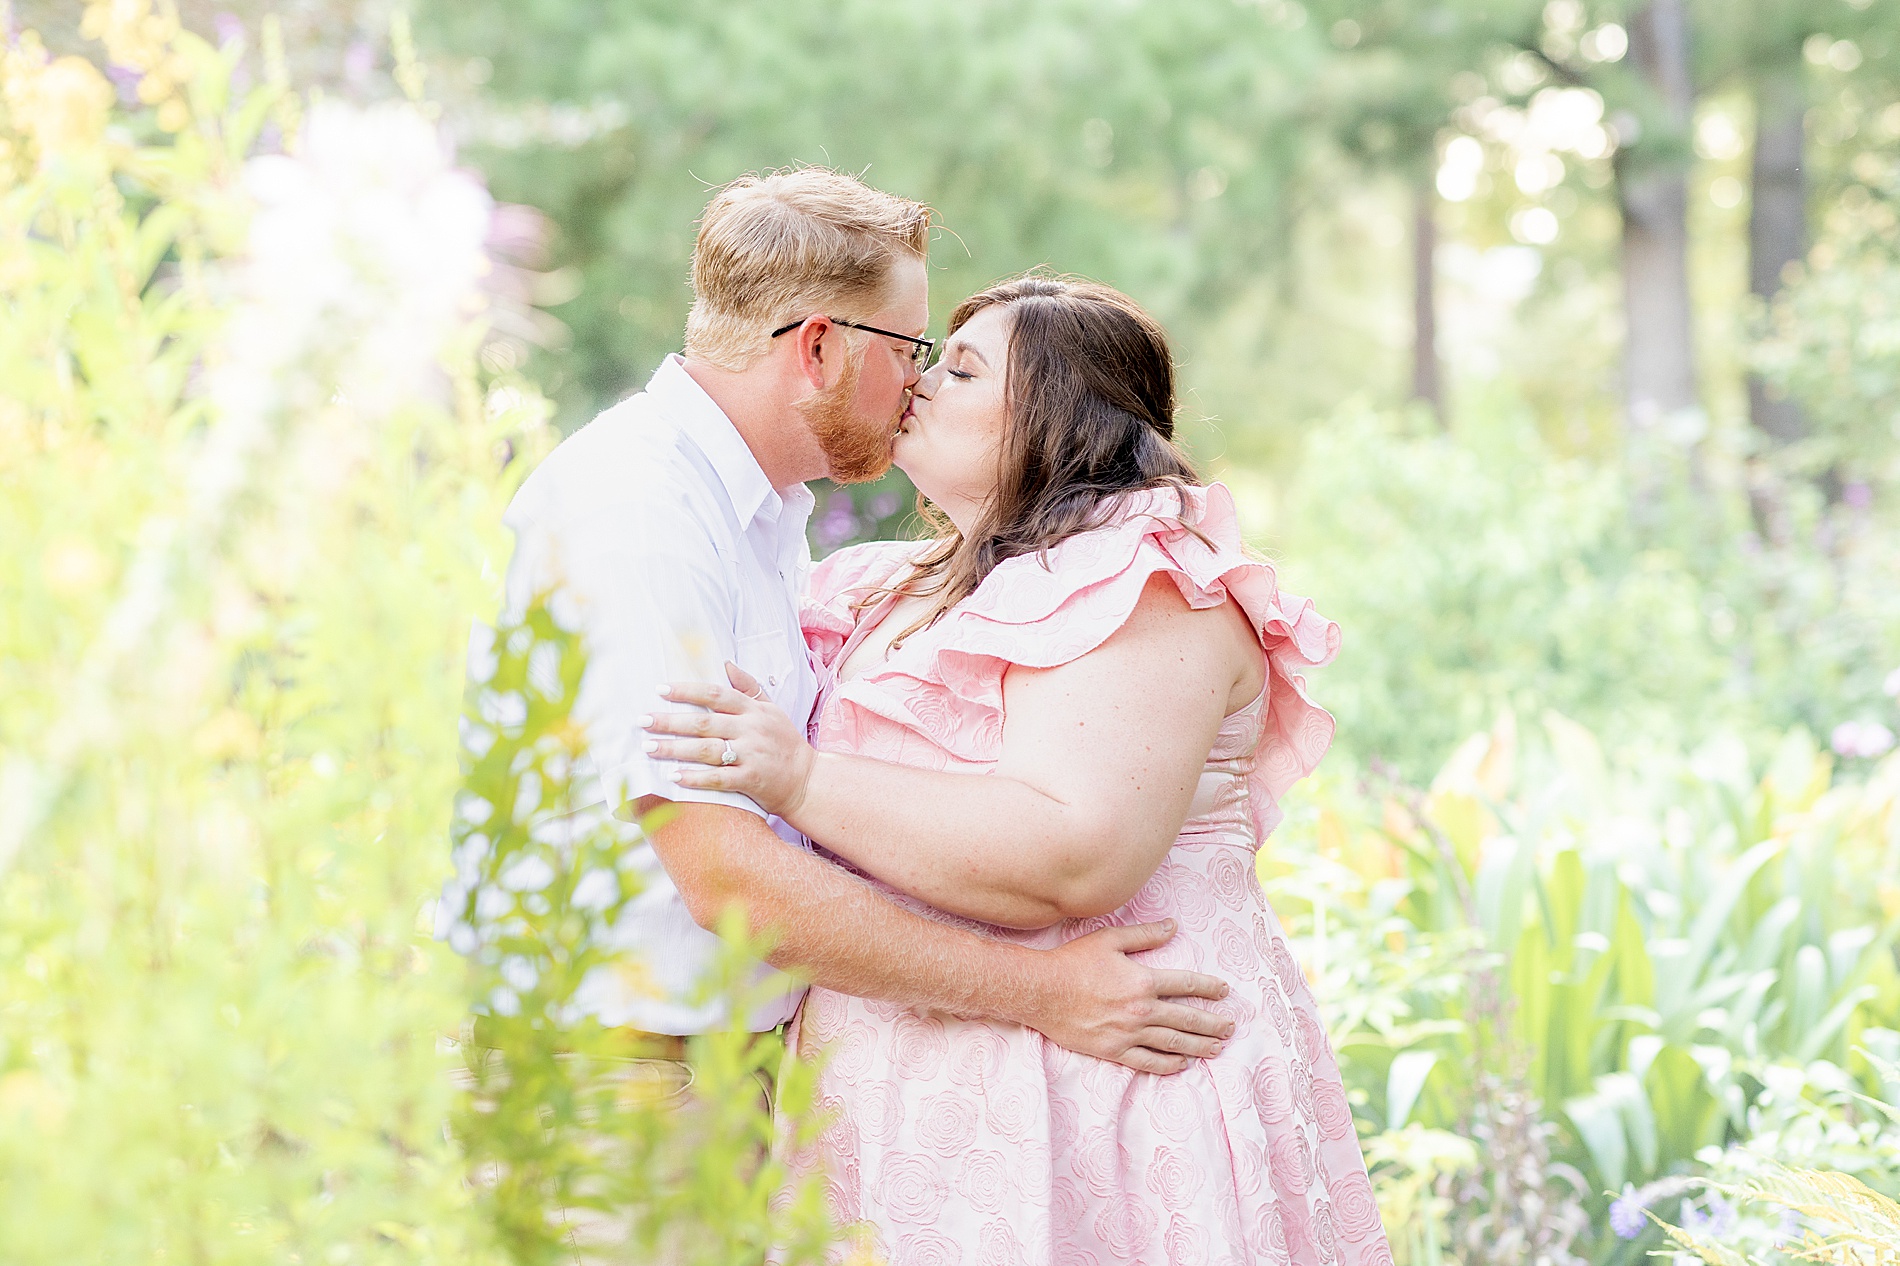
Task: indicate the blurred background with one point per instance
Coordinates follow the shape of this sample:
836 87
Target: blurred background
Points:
1547 344
1552 347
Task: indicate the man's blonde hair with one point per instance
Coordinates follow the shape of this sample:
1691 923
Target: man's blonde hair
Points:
779 247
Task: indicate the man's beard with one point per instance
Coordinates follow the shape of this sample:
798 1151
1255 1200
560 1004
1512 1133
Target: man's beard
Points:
856 453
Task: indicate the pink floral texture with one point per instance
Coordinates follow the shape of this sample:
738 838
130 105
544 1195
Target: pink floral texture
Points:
979 1143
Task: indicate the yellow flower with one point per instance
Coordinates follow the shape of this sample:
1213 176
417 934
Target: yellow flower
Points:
63 105
26 1097
144 40
174 115
73 567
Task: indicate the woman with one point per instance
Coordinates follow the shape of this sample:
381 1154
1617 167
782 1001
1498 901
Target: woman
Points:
1076 706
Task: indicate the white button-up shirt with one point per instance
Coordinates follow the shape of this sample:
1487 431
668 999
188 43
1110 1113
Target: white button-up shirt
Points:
665 545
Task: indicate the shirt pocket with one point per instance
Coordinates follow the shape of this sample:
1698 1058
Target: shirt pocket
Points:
768 657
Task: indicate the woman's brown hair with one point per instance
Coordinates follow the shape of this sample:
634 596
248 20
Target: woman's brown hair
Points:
1090 403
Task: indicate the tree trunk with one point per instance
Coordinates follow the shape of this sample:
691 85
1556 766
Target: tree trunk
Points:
1426 382
1653 186
1778 218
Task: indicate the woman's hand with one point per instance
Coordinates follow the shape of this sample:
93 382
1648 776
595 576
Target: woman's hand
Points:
746 743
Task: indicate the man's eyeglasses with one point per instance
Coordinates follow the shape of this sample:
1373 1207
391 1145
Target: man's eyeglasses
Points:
920 348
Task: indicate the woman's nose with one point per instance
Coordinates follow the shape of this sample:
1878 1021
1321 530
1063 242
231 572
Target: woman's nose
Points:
926 384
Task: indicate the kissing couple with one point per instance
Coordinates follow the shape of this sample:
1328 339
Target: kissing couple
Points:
998 792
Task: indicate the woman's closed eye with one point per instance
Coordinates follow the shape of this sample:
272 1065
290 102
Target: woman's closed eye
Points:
959 373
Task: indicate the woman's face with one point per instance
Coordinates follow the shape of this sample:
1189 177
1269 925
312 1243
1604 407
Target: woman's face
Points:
950 438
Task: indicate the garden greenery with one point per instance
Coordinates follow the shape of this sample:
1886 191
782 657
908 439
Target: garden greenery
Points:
252 487
1656 965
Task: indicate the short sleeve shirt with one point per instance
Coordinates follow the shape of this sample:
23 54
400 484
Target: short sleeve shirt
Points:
656 534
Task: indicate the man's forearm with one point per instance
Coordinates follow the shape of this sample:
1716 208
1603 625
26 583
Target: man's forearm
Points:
834 928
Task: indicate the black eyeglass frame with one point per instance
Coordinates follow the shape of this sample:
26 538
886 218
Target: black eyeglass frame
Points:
925 348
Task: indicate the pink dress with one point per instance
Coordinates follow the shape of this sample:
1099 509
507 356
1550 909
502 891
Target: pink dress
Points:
978 1142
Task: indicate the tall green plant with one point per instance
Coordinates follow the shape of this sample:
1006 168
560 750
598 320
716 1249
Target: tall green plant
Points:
564 1114
251 495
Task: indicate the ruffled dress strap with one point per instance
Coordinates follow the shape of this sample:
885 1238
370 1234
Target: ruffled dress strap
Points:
829 613
946 682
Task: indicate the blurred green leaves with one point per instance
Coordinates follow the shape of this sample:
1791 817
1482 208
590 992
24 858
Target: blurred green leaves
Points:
251 496
1647 954
1150 146
581 1135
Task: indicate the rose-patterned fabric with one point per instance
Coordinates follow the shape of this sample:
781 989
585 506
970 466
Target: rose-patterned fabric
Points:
978 1142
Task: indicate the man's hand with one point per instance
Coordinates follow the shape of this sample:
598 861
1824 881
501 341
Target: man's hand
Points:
1094 999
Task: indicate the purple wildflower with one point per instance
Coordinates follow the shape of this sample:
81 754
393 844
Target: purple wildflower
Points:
1716 1218
126 80
358 61
228 27
1858 495
1626 1214
838 523
1861 738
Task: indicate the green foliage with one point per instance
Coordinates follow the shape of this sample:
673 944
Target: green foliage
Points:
1815 1183
252 495
1645 954
1480 569
1846 1224
563 1114
222 739
1834 339
1154 147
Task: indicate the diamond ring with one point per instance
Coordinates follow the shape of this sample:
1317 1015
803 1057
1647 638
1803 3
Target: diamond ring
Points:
729 756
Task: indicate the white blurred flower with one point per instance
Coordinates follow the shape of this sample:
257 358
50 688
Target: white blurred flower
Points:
527 796
595 890
365 256
473 809
519 973
504 709
1892 685
476 739
1862 738
468 857
491 903
527 873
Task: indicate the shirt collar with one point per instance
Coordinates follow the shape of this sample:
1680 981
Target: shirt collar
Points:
706 424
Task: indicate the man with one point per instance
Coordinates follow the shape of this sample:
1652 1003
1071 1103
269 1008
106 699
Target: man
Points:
671 531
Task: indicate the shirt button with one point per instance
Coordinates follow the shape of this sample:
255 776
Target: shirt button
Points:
771 681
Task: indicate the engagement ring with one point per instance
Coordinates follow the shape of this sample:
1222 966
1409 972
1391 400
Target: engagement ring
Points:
729 756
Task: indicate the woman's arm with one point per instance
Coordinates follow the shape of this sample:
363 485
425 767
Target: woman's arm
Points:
1100 760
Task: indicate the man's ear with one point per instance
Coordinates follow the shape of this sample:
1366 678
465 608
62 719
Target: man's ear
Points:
810 349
